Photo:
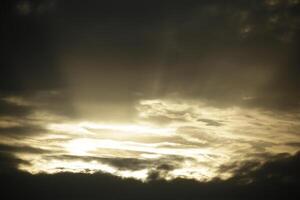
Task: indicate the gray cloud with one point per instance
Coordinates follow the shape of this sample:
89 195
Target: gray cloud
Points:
255 45
21 149
9 163
210 122
22 131
294 144
164 163
8 109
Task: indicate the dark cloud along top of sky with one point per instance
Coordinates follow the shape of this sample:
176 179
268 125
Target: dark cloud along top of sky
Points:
234 52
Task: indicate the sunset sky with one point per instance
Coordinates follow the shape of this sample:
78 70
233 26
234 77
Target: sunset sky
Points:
193 95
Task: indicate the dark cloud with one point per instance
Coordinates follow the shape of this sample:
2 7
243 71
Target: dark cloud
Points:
277 179
273 171
9 163
21 131
233 53
164 163
127 163
131 164
8 109
242 169
27 55
21 149
25 107
295 144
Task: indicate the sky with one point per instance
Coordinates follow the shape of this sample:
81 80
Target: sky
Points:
155 99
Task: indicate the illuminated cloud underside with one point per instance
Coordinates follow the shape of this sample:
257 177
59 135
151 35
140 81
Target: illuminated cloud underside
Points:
172 139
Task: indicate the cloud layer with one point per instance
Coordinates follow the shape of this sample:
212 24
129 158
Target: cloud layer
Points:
277 179
166 138
194 98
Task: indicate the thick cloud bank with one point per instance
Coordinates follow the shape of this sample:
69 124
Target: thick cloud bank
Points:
276 179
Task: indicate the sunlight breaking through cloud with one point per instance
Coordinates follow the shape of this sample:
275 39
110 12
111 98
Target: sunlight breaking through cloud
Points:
187 139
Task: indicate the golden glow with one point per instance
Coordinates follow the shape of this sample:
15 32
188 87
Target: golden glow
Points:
80 146
194 140
83 127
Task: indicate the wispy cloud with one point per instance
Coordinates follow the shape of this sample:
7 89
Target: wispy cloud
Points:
167 138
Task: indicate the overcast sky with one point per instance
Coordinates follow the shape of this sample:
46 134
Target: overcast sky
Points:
192 94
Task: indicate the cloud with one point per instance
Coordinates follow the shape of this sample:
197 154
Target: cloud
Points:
162 165
203 136
9 163
296 144
21 149
210 122
262 64
21 131
277 179
11 109
210 82
24 7
272 171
